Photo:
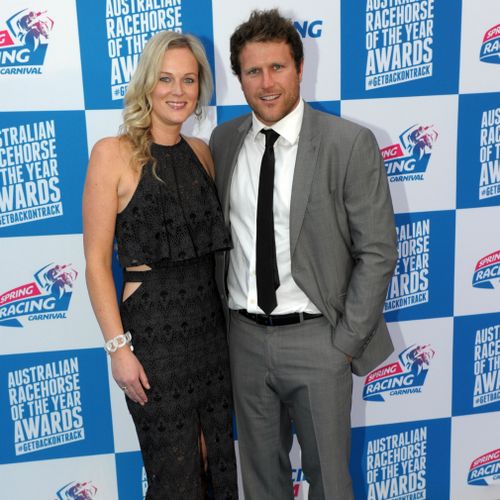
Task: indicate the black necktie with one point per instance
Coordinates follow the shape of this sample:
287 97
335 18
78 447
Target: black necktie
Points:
266 268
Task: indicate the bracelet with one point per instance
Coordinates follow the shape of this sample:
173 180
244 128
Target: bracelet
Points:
119 341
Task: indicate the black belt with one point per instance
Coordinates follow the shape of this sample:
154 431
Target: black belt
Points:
278 319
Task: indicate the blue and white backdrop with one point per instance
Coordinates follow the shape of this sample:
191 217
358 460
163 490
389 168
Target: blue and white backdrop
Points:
424 75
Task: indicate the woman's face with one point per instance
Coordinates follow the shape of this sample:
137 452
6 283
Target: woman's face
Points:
176 93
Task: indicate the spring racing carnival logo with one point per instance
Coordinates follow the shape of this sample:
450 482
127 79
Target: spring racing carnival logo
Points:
47 297
77 491
407 160
129 25
486 366
485 470
399 39
24 43
406 376
396 466
487 271
409 285
311 29
489 154
45 405
490 48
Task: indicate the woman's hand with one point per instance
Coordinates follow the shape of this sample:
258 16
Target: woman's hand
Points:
129 374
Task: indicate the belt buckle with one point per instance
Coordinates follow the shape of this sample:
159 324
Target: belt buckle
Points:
266 319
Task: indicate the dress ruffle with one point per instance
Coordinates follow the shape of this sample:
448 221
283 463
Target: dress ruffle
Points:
173 219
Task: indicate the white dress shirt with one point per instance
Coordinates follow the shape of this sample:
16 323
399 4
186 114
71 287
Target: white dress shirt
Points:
241 279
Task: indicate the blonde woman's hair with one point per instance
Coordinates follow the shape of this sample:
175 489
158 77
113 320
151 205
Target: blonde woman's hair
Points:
136 127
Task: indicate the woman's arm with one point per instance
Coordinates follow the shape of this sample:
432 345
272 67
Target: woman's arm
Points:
107 164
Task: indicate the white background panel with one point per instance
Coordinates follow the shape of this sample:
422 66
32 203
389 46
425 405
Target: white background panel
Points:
301 486
472 437
60 85
477 19
434 400
477 235
321 81
102 123
43 480
388 118
25 256
203 127
238 471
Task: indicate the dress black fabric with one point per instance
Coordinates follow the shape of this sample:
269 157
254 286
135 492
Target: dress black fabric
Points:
175 225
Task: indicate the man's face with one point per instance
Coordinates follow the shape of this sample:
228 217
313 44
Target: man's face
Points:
269 79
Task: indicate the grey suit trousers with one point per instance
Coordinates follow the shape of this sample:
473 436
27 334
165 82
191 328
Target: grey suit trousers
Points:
291 373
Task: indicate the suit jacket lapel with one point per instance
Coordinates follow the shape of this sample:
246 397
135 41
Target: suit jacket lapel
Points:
233 149
305 166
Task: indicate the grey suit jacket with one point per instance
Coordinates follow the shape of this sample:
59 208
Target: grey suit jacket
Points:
342 234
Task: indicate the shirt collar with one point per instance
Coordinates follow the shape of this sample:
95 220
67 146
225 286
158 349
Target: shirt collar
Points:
288 127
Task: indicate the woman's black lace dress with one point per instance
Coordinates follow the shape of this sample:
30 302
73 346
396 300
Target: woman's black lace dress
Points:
175 225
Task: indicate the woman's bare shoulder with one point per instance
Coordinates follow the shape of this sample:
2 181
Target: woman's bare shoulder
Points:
112 147
111 153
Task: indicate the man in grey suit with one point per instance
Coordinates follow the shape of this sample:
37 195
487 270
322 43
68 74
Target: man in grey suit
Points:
306 280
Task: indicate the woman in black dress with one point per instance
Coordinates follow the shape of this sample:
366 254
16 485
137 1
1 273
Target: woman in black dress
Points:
152 189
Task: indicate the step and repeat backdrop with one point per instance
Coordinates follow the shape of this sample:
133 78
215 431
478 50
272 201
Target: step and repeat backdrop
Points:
424 75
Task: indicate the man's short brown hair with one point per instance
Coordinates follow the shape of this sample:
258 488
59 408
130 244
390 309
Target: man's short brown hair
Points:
265 26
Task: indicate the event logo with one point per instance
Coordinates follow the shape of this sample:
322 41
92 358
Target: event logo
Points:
409 285
45 405
487 271
399 42
298 478
77 491
311 29
396 466
487 366
490 48
408 159
129 25
489 153
45 298
29 174
485 470
406 376
24 43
